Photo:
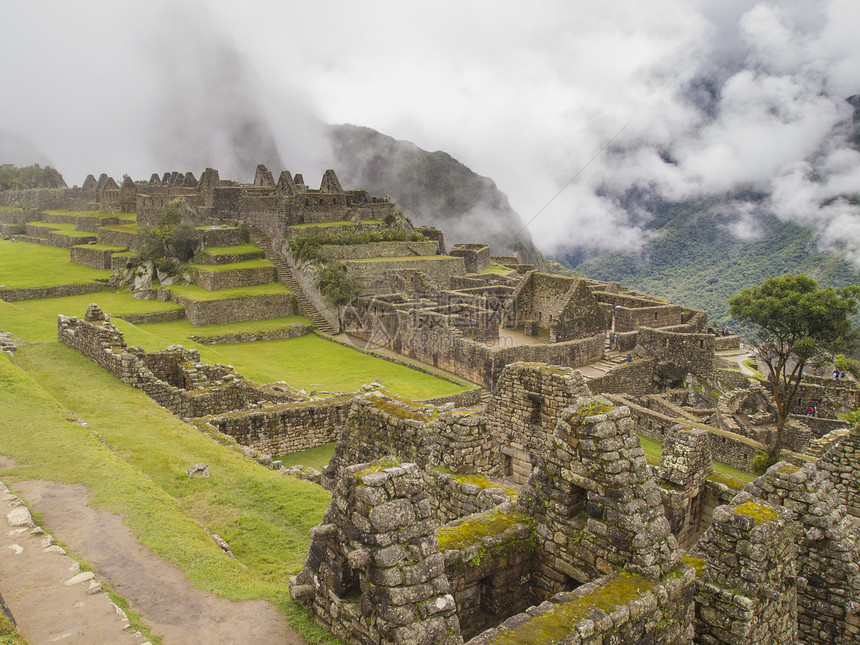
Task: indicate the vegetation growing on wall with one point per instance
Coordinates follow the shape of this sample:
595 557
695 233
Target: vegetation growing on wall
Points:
307 248
14 178
170 239
336 285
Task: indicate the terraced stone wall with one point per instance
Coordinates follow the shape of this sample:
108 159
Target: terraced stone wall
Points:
285 429
210 312
371 275
232 278
36 293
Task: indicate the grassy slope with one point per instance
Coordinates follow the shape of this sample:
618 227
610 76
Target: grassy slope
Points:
265 517
695 261
25 265
36 320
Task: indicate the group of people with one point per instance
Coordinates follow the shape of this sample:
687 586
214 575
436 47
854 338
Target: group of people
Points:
838 375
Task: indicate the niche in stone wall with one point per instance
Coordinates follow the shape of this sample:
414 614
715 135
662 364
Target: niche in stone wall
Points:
534 407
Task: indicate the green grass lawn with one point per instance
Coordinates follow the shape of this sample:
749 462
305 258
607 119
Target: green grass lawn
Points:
654 449
103 247
260 263
124 228
193 292
314 457
241 249
495 268
24 265
36 320
404 258
308 362
340 222
140 473
99 214
312 363
156 336
68 230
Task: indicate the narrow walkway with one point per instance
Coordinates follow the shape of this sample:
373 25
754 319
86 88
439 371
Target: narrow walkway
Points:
49 596
285 275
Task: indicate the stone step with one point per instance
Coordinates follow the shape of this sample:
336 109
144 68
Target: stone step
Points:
284 274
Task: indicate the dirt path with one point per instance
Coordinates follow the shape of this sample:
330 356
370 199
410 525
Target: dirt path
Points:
170 605
49 597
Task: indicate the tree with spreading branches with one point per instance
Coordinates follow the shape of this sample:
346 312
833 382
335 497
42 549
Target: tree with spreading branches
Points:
795 323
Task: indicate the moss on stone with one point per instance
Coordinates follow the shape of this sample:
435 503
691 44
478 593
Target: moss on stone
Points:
482 482
589 409
377 466
557 624
731 482
399 411
476 528
758 512
697 563
788 469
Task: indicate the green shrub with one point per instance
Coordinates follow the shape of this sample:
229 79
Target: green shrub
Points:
762 461
167 265
336 285
846 364
390 219
182 242
151 245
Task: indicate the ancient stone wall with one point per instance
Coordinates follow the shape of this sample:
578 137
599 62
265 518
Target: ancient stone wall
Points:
428 338
828 593
475 256
595 503
378 250
639 613
379 425
175 379
36 293
732 379
634 379
730 448
842 464
371 274
373 572
295 330
232 278
564 306
679 354
124 239
746 592
685 465
288 428
654 317
453 496
490 575
97 258
210 312
527 402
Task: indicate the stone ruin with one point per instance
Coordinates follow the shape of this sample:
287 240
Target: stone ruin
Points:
540 518
594 544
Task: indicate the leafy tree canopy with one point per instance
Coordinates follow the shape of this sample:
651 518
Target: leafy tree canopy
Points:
794 322
12 177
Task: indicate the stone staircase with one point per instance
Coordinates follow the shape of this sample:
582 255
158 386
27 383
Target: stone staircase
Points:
285 275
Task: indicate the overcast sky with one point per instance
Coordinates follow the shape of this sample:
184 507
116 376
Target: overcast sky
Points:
696 96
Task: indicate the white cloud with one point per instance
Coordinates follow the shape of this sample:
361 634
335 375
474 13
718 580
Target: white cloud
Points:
716 95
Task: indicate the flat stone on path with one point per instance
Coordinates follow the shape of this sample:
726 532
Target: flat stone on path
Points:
168 603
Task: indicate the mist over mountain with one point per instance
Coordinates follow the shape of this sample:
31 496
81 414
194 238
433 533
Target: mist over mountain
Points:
431 188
